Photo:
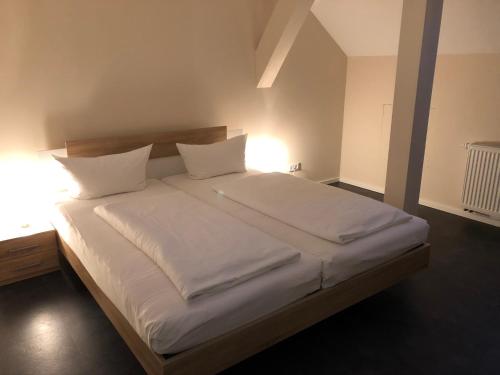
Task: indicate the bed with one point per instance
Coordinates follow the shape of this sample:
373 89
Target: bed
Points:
146 297
339 262
169 336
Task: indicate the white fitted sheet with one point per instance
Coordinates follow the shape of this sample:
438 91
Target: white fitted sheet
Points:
147 298
340 261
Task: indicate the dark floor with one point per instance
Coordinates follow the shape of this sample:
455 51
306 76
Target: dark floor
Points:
444 320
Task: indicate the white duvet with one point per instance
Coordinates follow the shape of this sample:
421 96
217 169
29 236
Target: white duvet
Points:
202 250
324 211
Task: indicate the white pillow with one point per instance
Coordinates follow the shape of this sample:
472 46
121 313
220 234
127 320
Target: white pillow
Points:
108 174
205 161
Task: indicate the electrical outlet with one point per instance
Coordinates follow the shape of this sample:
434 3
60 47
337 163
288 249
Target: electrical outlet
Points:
295 167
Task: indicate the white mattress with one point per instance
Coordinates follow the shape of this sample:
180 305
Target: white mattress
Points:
147 298
340 261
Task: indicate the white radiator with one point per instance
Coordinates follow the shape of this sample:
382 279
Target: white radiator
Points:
482 179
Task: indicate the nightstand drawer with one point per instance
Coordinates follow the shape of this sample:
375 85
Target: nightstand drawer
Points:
27 266
29 245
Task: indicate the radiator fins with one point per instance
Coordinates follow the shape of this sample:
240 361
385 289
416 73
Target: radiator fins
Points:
481 191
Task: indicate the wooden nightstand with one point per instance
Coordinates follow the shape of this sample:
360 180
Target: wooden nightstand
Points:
25 256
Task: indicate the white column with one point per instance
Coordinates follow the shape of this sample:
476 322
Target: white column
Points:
418 41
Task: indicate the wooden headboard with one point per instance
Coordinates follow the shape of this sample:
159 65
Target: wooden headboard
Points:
163 143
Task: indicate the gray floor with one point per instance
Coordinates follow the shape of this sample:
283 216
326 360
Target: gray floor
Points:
444 320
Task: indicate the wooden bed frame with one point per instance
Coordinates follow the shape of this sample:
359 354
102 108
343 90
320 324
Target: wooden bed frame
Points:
224 351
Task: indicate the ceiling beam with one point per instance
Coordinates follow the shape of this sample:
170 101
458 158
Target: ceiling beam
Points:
282 28
418 42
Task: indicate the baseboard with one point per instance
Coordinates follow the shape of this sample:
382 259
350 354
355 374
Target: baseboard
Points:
459 212
376 189
427 203
329 180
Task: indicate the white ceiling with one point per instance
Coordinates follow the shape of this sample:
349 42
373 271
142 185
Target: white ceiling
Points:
371 27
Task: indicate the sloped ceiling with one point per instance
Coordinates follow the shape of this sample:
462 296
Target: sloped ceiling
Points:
371 27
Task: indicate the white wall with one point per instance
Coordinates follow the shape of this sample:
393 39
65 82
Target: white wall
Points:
90 68
465 108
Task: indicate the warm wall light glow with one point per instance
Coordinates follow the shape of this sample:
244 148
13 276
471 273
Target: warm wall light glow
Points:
24 194
267 154
18 190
